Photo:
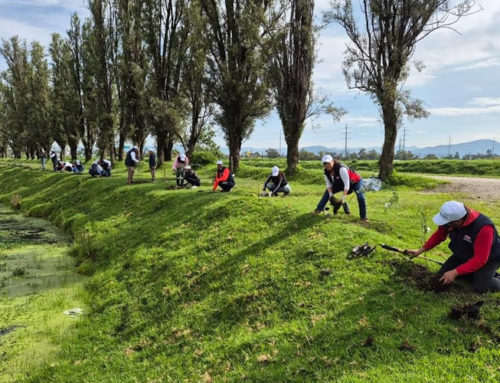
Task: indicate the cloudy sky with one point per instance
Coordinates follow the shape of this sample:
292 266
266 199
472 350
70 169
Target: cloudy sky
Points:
459 85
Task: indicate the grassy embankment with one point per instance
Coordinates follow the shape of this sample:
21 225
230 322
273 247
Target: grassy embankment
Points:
196 286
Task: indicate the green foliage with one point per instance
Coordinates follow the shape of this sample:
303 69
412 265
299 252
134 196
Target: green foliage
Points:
202 158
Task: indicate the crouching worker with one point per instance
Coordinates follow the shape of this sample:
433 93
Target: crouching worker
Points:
339 178
78 167
63 166
178 166
223 178
191 177
95 169
474 243
276 183
106 167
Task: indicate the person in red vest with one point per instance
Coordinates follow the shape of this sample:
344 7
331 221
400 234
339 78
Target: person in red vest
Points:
223 178
474 243
339 178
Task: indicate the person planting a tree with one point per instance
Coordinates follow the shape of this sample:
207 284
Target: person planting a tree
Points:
339 178
474 243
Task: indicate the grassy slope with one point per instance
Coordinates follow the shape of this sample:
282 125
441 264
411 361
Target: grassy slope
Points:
195 286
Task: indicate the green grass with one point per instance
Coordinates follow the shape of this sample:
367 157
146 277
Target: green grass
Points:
190 286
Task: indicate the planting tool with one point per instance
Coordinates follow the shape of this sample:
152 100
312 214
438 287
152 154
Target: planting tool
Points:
405 252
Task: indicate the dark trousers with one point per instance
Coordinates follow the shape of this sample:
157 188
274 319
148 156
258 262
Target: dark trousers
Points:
483 280
191 179
226 186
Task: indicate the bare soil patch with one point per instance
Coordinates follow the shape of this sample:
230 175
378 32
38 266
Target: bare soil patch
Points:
475 187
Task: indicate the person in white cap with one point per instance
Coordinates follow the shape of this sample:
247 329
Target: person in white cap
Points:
276 183
178 166
474 243
131 162
339 178
223 178
191 177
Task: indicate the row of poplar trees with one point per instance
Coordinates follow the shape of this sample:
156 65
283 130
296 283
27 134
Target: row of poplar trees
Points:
169 68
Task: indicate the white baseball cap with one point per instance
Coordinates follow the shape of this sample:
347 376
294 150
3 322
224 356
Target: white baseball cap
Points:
135 147
327 158
182 157
219 162
275 171
450 211
187 167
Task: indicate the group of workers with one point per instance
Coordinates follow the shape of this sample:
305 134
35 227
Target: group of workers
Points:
474 240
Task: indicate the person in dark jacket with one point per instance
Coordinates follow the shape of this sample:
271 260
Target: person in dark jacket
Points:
96 170
106 166
339 178
131 162
152 165
276 183
191 177
53 158
474 243
78 167
223 178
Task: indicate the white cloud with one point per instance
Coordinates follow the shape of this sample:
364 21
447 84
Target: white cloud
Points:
478 106
481 64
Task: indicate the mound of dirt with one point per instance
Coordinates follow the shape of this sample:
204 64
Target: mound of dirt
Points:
417 275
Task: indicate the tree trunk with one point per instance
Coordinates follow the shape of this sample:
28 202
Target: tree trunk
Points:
168 149
88 152
389 114
292 156
234 153
73 146
121 145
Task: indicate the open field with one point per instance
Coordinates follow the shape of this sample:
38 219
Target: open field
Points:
194 286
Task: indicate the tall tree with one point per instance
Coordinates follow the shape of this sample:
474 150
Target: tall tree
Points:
131 69
75 44
65 107
237 33
292 64
194 85
166 43
89 92
102 48
16 92
381 46
37 124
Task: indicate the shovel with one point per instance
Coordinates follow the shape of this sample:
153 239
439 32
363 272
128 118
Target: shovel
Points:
405 252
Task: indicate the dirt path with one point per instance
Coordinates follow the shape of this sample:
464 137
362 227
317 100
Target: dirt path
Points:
484 188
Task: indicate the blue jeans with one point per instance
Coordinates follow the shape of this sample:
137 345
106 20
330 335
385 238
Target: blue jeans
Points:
356 188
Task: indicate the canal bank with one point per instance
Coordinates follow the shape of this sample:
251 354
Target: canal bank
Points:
38 283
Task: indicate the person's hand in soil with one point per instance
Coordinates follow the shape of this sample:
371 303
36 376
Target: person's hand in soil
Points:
414 253
448 277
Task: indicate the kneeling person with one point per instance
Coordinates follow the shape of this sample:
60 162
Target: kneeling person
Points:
223 178
191 177
277 183
474 243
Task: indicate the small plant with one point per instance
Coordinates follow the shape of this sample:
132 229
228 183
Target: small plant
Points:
15 201
393 200
425 229
19 272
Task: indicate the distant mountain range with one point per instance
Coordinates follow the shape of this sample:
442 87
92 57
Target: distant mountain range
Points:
472 147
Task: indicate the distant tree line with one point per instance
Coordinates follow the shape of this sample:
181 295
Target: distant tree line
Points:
371 154
173 69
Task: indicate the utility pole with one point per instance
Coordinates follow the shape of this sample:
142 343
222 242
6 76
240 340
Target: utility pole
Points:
345 148
449 146
404 138
493 149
